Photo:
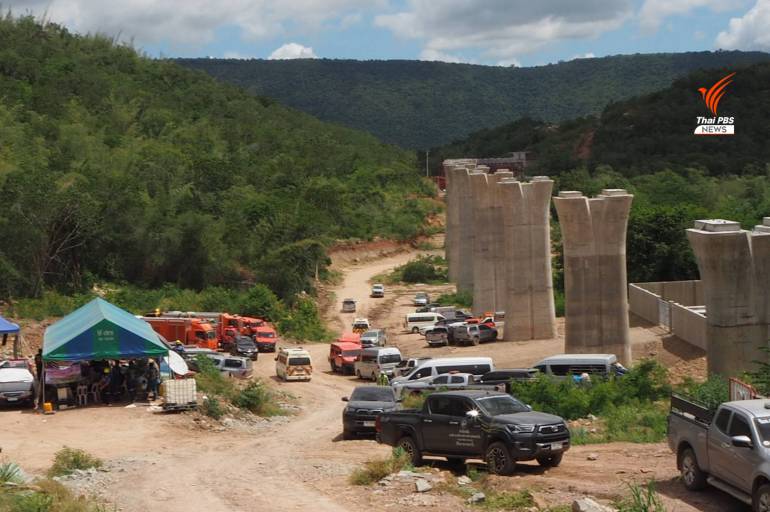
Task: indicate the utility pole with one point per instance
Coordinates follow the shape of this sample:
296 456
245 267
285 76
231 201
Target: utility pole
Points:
427 170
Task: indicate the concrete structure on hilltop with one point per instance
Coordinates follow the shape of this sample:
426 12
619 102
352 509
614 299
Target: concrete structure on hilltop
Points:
734 266
527 283
594 245
460 235
484 257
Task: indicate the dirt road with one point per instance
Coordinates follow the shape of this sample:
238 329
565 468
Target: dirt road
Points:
300 463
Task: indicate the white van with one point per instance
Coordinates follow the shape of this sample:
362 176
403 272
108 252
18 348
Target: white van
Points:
374 360
414 321
474 365
564 365
293 364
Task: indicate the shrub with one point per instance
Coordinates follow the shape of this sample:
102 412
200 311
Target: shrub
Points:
52 496
711 392
423 270
508 500
211 381
377 469
461 299
642 499
257 399
414 400
68 460
212 408
11 472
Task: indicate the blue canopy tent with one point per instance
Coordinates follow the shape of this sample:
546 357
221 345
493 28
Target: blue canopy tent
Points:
7 328
100 330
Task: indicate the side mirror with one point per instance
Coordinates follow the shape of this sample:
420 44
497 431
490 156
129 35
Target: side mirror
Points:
529 407
742 441
345 399
472 415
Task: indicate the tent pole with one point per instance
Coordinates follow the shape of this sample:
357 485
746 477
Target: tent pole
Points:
42 384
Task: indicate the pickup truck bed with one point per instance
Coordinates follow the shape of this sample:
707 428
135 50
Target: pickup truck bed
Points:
728 448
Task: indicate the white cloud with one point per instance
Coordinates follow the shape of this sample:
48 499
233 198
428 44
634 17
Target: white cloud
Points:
435 55
503 30
350 20
750 32
293 51
654 12
191 22
234 55
588 55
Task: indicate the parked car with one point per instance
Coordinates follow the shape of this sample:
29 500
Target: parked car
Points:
378 290
565 365
363 407
373 361
242 346
293 364
343 355
437 336
476 365
486 425
427 308
473 334
374 338
445 381
349 306
421 299
414 321
506 376
406 366
235 366
16 383
727 449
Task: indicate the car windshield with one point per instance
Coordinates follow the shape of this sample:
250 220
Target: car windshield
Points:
299 361
349 353
501 404
421 295
211 335
763 427
245 342
390 358
265 335
373 394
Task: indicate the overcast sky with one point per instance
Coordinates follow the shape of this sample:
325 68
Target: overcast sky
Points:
494 32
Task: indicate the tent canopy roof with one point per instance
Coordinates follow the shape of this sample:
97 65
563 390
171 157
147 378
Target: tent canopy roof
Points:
7 327
100 330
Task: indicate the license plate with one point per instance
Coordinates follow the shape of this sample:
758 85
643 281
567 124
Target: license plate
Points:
556 446
13 398
368 423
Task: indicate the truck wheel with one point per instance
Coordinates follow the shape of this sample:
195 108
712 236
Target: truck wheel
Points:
334 367
499 460
407 444
761 499
358 374
692 476
415 330
550 461
347 435
476 340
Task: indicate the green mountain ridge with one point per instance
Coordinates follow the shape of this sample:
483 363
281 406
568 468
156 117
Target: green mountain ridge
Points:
418 104
119 168
644 134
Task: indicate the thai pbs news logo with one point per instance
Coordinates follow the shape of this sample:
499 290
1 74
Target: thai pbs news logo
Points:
716 125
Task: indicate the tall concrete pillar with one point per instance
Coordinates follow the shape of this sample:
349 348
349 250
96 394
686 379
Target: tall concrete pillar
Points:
483 192
451 246
594 245
528 303
466 233
733 266
501 263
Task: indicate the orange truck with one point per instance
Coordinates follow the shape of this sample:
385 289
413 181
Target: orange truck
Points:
344 352
190 331
265 337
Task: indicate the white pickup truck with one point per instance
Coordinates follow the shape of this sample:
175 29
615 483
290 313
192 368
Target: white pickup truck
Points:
728 449
16 383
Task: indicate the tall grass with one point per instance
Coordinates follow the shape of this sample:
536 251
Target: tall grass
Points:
376 469
253 397
641 499
68 460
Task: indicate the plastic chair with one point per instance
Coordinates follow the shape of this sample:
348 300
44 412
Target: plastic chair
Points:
82 394
94 393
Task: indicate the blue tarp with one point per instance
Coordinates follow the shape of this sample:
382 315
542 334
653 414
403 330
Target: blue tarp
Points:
7 327
100 330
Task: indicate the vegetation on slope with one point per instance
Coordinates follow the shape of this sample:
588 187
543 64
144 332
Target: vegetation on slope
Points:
118 168
424 104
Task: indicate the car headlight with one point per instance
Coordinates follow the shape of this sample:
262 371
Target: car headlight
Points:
521 428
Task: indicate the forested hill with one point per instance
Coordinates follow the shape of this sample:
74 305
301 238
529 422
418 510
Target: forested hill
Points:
121 168
423 104
644 134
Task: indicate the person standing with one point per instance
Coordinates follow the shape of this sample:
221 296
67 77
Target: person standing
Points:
39 376
153 379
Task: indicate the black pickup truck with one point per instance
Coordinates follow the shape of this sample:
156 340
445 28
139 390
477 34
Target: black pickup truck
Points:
487 425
